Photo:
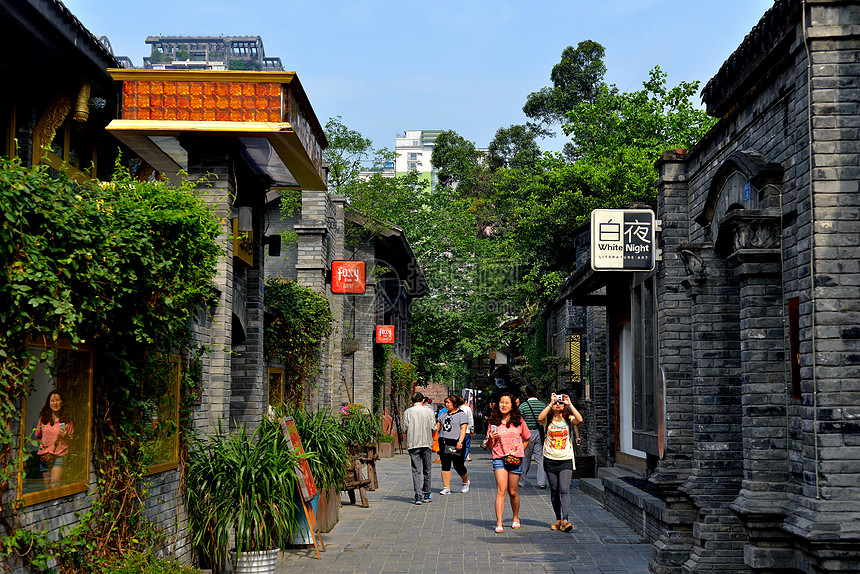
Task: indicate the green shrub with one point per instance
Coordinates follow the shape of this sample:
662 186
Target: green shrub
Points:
243 488
361 426
141 563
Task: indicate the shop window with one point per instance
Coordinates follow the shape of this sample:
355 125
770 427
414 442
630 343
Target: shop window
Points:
276 388
644 365
164 414
55 425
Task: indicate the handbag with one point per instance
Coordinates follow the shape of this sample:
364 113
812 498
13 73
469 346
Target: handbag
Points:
451 449
512 462
48 459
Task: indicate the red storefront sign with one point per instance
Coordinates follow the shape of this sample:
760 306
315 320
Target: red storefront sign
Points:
385 334
347 277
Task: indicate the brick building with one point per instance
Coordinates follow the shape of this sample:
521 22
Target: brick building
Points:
328 230
743 344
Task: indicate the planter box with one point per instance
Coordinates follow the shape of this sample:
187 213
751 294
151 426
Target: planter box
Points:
328 509
386 449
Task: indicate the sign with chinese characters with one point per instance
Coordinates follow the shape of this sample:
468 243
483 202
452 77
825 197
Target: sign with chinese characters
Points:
385 334
347 277
623 240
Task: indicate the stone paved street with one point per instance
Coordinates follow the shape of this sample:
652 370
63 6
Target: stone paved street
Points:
454 533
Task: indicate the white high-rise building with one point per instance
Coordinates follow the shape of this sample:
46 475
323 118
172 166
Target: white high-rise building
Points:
414 148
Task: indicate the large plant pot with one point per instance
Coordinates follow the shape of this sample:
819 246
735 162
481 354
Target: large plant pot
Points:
386 449
255 562
328 509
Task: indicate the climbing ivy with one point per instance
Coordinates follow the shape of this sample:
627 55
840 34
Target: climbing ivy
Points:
301 319
119 266
403 376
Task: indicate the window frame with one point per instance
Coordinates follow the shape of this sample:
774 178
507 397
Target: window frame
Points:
173 463
65 490
274 371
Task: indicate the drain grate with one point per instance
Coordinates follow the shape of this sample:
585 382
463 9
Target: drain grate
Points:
540 557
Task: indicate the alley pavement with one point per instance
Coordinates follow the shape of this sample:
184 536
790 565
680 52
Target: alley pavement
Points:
455 533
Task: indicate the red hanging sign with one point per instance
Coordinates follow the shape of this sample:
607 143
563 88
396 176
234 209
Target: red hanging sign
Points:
347 277
385 334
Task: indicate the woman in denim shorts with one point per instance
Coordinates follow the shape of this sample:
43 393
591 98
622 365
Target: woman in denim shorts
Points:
508 435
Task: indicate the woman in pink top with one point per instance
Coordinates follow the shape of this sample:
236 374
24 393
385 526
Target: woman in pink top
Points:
508 435
54 432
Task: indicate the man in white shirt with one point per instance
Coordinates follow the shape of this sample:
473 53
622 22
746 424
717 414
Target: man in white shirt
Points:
467 442
419 424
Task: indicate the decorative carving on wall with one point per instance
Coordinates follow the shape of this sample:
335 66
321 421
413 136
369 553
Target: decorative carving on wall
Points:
752 229
694 265
52 119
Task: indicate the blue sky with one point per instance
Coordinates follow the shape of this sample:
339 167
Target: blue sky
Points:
387 66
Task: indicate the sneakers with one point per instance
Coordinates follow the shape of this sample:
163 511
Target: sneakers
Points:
466 487
418 499
428 497
445 490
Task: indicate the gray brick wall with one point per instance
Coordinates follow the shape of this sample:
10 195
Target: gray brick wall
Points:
772 483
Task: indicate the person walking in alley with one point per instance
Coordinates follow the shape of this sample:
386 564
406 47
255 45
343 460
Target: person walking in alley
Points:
419 425
467 442
453 424
508 436
530 410
559 418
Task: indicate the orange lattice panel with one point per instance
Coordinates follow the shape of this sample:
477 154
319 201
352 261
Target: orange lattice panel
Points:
202 101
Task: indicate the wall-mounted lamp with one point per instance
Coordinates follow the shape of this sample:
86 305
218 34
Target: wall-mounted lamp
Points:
246 220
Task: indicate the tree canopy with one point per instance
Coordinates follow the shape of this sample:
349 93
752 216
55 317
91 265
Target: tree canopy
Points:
575 79
497 236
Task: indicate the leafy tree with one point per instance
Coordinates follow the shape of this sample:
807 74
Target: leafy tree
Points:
456 159
650 120
576 79
616 138
348 154
514 147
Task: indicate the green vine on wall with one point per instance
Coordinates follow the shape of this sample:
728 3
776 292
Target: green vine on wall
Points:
403 377
119 266
300 320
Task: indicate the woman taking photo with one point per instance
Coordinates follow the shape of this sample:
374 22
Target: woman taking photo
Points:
508 435
54 431
453 424
559 418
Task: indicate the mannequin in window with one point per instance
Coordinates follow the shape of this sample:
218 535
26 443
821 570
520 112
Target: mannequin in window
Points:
54 432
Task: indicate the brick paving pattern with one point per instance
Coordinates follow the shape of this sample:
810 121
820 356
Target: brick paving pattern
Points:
454 533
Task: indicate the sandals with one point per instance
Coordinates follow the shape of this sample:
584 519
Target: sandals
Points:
515 524
566 526
500 529
553 526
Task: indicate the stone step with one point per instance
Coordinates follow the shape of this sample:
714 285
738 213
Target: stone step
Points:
617 471
593 487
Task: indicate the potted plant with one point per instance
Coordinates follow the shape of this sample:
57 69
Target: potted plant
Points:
243 487
386 446
360 426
